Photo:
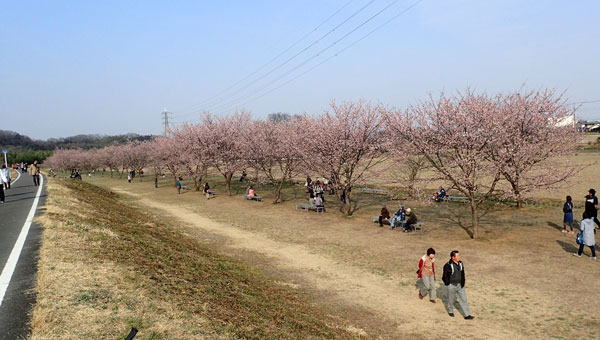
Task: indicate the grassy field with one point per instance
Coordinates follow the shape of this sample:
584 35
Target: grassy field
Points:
336 276
106 266
522 280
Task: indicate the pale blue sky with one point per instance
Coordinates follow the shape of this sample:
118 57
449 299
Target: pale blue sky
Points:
70 67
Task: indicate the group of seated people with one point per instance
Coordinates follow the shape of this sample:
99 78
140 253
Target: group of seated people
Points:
402 217
440 195
316 193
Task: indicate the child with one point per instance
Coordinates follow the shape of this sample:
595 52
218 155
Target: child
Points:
568 217
129 177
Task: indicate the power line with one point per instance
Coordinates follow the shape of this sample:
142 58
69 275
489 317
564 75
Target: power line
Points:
206 101
236 101
297 54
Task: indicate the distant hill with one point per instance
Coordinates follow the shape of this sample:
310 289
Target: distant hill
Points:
15 141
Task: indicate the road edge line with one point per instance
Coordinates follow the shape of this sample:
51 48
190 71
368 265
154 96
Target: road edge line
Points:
13 258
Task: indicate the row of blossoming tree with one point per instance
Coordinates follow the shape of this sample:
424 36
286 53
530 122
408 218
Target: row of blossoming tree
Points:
483 146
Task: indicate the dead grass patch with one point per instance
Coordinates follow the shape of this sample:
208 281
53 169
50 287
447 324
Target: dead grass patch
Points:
107 266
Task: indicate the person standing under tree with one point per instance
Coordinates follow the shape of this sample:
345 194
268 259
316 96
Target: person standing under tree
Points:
568 218
454 280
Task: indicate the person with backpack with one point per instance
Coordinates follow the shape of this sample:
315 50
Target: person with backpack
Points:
586 236
568 217
454 280
426 273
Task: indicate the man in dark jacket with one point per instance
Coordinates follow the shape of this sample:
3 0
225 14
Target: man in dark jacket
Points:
454 280
591 206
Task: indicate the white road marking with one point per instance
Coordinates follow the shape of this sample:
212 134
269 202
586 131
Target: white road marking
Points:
16 179
13 258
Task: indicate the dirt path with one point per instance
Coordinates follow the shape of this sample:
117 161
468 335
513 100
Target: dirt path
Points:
350 284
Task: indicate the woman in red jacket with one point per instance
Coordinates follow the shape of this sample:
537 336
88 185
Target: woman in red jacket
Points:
426 273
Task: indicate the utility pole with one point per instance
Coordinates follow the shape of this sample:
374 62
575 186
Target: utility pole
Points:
165 117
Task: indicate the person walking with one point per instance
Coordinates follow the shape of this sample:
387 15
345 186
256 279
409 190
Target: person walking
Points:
2 198
568 217
454 280
591 206
426 273
5 176
587 238
129 178
35 172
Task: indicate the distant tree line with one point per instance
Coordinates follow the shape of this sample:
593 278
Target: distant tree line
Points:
15 141
28 156
25 149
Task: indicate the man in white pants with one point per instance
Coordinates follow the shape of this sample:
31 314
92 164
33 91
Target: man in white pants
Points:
454 279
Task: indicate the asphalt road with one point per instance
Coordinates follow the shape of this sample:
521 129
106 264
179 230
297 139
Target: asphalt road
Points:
19 249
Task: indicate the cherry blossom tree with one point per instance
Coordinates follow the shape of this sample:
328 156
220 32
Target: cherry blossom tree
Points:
344 144
165 154
454 135
188 145
534 137
222 140
273 150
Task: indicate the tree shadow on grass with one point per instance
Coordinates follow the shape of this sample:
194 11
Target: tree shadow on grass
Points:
568 247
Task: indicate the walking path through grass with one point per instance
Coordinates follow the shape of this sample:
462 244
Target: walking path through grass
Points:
350 262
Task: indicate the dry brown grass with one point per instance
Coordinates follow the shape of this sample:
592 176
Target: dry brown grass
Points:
106 266
522 280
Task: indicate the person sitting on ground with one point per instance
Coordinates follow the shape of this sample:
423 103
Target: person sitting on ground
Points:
568 217
251 192
384 215
411 220
398 217
178 185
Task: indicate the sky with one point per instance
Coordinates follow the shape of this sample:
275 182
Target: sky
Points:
112 67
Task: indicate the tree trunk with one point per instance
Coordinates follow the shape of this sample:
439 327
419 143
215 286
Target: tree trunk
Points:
278 192
228 182
348 204
474 218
